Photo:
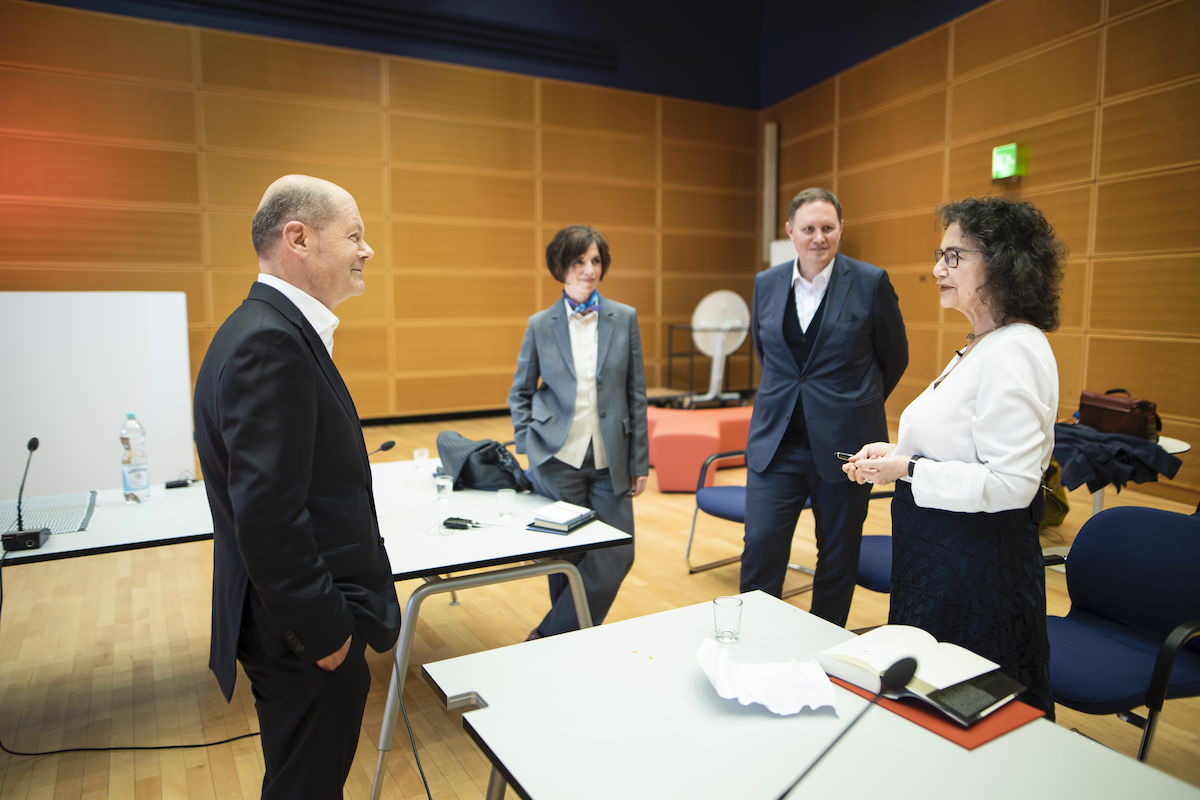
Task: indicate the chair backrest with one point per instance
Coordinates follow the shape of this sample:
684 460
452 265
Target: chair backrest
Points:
1138 566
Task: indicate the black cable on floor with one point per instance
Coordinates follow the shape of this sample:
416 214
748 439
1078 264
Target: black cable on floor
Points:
411 738
4 555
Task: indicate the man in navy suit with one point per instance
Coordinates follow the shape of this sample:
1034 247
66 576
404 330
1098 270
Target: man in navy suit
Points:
830 337
301 579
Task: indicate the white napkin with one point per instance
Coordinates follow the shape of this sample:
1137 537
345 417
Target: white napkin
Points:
783 688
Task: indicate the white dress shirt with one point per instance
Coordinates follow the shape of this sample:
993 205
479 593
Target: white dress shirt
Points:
323 320
585 426
987 430
809 294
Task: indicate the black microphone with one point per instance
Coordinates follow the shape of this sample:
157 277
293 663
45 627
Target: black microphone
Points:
388 445
20 539
896 677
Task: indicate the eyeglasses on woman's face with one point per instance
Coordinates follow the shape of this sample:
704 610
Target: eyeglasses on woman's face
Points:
951 256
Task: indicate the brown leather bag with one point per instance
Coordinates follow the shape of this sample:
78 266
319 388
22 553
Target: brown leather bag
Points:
1111 413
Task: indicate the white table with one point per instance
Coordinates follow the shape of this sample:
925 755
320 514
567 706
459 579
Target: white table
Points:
644 722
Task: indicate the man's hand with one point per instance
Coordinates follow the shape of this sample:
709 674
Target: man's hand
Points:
639 484
331 662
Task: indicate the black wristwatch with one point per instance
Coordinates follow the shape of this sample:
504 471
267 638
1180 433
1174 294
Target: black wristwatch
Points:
912 464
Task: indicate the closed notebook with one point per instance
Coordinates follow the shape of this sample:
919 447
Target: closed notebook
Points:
561 517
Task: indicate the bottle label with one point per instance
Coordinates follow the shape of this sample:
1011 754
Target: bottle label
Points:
135 477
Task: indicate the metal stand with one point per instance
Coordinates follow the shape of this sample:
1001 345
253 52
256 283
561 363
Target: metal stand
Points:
408 632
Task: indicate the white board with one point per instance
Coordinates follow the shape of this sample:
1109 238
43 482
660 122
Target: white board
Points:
782 250
73 364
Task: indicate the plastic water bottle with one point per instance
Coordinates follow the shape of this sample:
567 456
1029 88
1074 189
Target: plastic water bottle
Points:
135 474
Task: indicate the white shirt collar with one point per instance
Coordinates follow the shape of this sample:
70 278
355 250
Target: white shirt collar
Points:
818 283
323 320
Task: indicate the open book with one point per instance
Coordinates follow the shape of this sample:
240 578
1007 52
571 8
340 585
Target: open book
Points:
561 517
960 684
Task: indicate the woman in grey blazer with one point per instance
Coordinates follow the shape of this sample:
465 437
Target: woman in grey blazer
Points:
584 426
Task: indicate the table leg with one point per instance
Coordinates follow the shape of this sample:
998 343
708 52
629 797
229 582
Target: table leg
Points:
496 785
1097 502
408 632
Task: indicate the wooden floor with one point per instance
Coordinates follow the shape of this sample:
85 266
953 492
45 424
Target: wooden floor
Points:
112 650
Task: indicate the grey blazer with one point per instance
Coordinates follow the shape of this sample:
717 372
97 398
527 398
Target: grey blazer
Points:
542 414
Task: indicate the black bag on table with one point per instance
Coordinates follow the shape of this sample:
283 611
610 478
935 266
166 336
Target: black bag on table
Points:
485 464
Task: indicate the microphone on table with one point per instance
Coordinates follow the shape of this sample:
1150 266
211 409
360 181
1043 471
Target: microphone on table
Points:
21 539
388 445
896 677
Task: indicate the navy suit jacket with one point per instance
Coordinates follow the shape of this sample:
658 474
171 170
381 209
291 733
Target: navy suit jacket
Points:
289 486
856 361
542 414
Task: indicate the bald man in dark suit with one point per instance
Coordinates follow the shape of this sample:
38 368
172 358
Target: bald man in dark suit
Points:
301 579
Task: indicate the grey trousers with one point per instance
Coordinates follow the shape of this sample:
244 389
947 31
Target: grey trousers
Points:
602 570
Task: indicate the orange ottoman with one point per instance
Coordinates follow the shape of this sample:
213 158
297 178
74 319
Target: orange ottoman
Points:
680 441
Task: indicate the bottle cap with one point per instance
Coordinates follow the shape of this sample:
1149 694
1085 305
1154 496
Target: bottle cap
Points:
130 415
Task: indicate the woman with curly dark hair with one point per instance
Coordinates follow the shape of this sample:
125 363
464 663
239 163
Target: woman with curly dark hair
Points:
966 561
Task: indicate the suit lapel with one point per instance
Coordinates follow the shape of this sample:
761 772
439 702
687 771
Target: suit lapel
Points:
275 299
562 335
604 325
835 297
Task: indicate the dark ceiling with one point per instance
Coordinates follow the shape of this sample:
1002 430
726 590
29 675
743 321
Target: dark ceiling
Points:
745 53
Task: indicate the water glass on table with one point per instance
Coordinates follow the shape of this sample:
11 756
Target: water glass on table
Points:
727 618
445 485
506 502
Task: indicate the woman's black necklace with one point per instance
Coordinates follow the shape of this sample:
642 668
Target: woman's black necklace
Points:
971 337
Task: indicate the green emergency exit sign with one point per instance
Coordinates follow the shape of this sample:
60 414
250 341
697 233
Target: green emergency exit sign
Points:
1006 162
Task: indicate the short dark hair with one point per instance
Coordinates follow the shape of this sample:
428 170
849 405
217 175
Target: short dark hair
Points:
1023 258
813 195
569 244
309 204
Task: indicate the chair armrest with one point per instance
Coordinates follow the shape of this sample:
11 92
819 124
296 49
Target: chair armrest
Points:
1053 561
1165 664
882 494
715 457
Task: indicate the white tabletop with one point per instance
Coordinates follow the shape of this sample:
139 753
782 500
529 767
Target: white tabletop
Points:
405 498
644 722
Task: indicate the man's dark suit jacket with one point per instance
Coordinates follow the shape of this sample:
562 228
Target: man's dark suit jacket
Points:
857 359
289 485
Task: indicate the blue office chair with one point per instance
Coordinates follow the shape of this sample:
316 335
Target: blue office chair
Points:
1135 602
729 503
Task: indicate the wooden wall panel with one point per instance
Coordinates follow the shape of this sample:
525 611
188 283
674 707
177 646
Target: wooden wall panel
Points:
61 38
631 250
463 91
1152 131
905 392
1072 299
464 144
1167 371
918 293
1003 29
236 61
31 232
229 240
455 246
1117 8
235 180
475 345
706 122
916 65
599 156
229 289
923 364
693 253
709 211
374 305
1152 48
803 114
283 126
913 125
801 158
711 167
1057 152
1069 211
49 279
46 103
370 396
361 349
1147 295
1020 91
432 395
444 194
913 183
904 240
476 295
1068 354
592 108
681 295
1158 212
564 201
41 168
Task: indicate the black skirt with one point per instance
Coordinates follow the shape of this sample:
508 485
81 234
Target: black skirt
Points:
976 580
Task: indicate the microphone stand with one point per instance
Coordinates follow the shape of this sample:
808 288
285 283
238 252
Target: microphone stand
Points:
20 539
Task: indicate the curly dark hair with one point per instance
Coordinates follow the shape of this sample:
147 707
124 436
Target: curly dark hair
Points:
569 244
1023 257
